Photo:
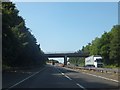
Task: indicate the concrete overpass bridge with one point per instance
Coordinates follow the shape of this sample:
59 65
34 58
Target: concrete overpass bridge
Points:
65 55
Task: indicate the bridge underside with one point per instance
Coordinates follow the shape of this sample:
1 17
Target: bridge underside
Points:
65 56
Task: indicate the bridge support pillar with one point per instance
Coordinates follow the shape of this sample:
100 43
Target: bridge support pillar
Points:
65 60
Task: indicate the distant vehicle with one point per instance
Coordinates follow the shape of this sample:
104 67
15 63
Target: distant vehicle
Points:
68 63
53 63
93 61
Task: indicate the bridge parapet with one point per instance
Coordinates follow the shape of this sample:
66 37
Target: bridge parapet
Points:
65 55
59 52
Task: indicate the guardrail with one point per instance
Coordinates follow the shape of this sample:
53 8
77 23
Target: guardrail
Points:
102 70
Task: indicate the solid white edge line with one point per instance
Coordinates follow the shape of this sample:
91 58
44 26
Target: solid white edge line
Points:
101 77
24 80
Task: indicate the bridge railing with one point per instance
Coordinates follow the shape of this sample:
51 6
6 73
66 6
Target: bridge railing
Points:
59 52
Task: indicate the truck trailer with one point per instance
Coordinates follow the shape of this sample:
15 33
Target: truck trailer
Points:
94 60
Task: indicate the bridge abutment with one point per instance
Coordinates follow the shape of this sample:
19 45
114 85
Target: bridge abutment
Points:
65 60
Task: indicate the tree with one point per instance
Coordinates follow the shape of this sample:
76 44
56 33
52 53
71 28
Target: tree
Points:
86 49
19 45
95 47
105 47
108 46
115 45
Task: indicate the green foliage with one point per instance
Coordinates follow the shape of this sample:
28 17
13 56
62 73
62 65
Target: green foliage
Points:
110 66
95 47
86 49
108 46
19 45
77 61
105 47
115 45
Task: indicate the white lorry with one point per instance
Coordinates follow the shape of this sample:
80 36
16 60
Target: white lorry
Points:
94 60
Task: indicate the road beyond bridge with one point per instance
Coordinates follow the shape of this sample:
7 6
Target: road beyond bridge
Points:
65 55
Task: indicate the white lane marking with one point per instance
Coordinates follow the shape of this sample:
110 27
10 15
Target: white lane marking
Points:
62 73
24 79
100 77
81 86
73 80
68 77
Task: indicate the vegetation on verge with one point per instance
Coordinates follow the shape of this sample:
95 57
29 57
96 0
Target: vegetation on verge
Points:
19 46
108 46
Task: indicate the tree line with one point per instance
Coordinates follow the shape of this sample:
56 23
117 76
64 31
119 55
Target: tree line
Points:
108 46
19 46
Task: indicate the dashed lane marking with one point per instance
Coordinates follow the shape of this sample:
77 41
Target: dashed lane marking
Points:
62 73
80 86
68 77
71 79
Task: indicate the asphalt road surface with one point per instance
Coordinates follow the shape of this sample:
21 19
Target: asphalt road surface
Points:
55 77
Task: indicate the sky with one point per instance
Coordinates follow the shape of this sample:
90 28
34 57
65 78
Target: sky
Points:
67 26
